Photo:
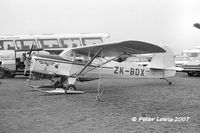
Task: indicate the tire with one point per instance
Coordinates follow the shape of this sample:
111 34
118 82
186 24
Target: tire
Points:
70 87
190 74
2 73
12 76
196 74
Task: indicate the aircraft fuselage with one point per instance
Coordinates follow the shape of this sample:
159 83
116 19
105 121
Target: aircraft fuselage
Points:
112 69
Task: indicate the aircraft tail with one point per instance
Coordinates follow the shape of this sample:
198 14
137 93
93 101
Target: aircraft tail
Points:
165 62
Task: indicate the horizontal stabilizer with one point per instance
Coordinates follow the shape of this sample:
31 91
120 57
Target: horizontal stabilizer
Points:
168 68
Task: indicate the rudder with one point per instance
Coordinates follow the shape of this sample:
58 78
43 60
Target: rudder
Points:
164 61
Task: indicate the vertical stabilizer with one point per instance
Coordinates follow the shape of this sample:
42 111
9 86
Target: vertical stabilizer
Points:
164 61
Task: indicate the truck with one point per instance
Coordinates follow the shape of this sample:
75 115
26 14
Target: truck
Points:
15 51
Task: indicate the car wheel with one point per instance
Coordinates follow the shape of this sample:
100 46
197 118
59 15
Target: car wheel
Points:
190 73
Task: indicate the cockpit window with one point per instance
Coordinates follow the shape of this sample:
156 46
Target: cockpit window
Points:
7 45
75 57
70 42
49 43
25 44
91 41
138 59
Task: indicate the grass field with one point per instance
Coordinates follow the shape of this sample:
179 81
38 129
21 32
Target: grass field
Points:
23 110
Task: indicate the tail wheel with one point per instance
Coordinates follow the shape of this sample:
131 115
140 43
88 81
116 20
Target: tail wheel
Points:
70 87
2 74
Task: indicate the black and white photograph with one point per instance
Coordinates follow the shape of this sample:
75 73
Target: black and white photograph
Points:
99 66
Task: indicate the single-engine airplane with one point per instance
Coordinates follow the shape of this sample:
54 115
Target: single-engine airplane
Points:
101 62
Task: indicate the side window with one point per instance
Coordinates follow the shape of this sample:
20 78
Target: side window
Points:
70 42
81 59
91 41
66 43
25 44
76 43
48 43
7 45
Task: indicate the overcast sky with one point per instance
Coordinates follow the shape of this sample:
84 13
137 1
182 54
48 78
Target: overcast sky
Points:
162 22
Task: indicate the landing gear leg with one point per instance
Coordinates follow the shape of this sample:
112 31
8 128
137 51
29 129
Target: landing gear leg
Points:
98 97
60 82
170 83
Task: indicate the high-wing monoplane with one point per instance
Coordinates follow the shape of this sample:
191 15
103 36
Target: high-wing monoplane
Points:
102 62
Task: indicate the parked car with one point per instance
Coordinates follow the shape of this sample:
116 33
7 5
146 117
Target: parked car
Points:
181 60
192 67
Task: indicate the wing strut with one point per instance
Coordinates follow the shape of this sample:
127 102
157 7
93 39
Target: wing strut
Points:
104 63
89 62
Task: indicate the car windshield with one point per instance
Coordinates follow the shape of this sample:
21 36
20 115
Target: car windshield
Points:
194 54
197 59
181 58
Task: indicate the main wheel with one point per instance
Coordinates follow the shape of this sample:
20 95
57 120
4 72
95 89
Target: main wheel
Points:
2 73
70 87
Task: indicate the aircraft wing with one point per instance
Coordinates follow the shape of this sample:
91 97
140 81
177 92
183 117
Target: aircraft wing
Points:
116 49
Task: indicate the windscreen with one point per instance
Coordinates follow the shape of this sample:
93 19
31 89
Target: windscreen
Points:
192 54
182 58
